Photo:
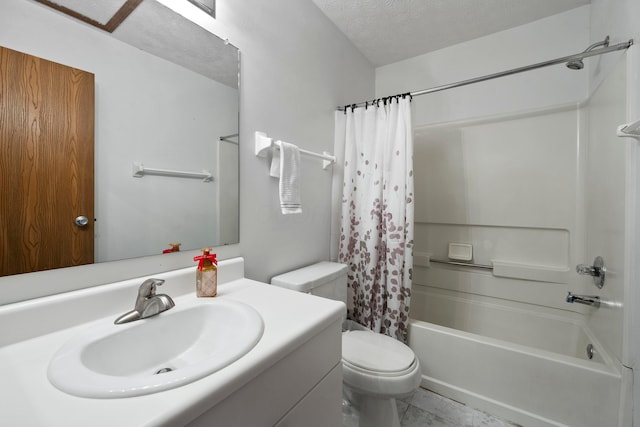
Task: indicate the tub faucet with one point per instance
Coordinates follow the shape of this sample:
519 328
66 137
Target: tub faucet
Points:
591 300
148 303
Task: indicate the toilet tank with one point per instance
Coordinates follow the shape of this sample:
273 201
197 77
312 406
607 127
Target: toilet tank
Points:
324 279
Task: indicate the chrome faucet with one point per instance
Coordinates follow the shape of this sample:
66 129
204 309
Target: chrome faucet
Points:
591 300
148 303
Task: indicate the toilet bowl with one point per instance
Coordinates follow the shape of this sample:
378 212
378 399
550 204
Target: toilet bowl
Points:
377 369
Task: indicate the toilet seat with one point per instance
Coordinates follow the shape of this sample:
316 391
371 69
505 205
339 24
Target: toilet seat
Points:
376 352
379 365
358 369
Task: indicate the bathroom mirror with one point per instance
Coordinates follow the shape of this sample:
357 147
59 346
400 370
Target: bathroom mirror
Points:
166 98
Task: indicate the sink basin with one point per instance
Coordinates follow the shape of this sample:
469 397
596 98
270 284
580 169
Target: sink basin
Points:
162 352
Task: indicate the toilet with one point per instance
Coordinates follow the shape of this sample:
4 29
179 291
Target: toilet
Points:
376 368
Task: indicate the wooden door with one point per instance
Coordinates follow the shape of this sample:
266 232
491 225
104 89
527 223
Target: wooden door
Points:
46 164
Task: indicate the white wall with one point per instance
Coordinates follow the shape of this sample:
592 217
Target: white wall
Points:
296 69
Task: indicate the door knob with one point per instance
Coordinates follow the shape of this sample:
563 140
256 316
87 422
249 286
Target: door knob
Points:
81 221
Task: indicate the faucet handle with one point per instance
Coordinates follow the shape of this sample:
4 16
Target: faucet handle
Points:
587 270
144 302
148 287
146 290
597 271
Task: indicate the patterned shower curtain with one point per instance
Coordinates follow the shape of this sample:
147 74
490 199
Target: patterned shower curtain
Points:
376 224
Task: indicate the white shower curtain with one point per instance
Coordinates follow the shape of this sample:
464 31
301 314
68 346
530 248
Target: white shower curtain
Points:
376 220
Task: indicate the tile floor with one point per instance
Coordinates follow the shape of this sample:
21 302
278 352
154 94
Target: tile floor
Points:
425 408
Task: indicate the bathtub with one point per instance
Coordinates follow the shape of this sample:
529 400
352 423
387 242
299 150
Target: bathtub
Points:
524 363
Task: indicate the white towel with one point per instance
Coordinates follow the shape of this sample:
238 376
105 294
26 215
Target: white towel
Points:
290 201
274 169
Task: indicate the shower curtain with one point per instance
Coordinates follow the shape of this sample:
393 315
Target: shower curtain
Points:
376 220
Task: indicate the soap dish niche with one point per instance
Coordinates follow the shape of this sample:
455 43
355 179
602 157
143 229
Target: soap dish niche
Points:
460 251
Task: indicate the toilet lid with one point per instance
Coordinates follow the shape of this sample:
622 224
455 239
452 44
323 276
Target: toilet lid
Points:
375 352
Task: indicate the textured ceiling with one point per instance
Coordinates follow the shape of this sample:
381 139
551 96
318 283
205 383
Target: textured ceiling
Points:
387 31
157 29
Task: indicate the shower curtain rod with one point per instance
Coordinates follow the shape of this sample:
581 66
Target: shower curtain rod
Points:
577 56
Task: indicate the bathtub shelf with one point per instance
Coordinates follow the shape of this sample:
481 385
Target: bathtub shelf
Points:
461 263
631 130
538 273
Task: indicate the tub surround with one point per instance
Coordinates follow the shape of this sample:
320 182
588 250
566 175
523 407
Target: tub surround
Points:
275 375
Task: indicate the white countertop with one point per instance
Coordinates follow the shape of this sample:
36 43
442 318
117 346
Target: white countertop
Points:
28 399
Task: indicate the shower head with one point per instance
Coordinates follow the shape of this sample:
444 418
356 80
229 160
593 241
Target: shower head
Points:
577 64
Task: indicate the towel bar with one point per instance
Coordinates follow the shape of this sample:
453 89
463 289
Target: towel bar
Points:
139 171
263 143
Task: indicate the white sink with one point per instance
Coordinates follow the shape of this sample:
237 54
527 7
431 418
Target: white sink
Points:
183 344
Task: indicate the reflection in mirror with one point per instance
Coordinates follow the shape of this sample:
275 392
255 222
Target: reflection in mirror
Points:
166 97
208 6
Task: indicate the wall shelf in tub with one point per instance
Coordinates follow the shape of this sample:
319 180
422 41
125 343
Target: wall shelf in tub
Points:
630 130
539 273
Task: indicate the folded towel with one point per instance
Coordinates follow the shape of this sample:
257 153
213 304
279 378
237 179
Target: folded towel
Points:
290 201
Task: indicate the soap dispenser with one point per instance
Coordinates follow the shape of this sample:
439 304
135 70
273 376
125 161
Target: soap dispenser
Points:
206 274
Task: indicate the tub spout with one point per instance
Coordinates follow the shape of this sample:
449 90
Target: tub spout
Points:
591 300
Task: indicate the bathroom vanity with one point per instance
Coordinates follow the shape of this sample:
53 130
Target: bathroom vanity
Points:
290 377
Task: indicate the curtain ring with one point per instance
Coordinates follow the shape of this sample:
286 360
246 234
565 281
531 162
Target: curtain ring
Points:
353 107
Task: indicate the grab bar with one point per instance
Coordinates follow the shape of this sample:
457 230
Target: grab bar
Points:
463 264
591 300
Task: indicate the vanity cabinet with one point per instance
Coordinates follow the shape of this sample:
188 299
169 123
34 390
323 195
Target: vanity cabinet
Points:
302 389
292 377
